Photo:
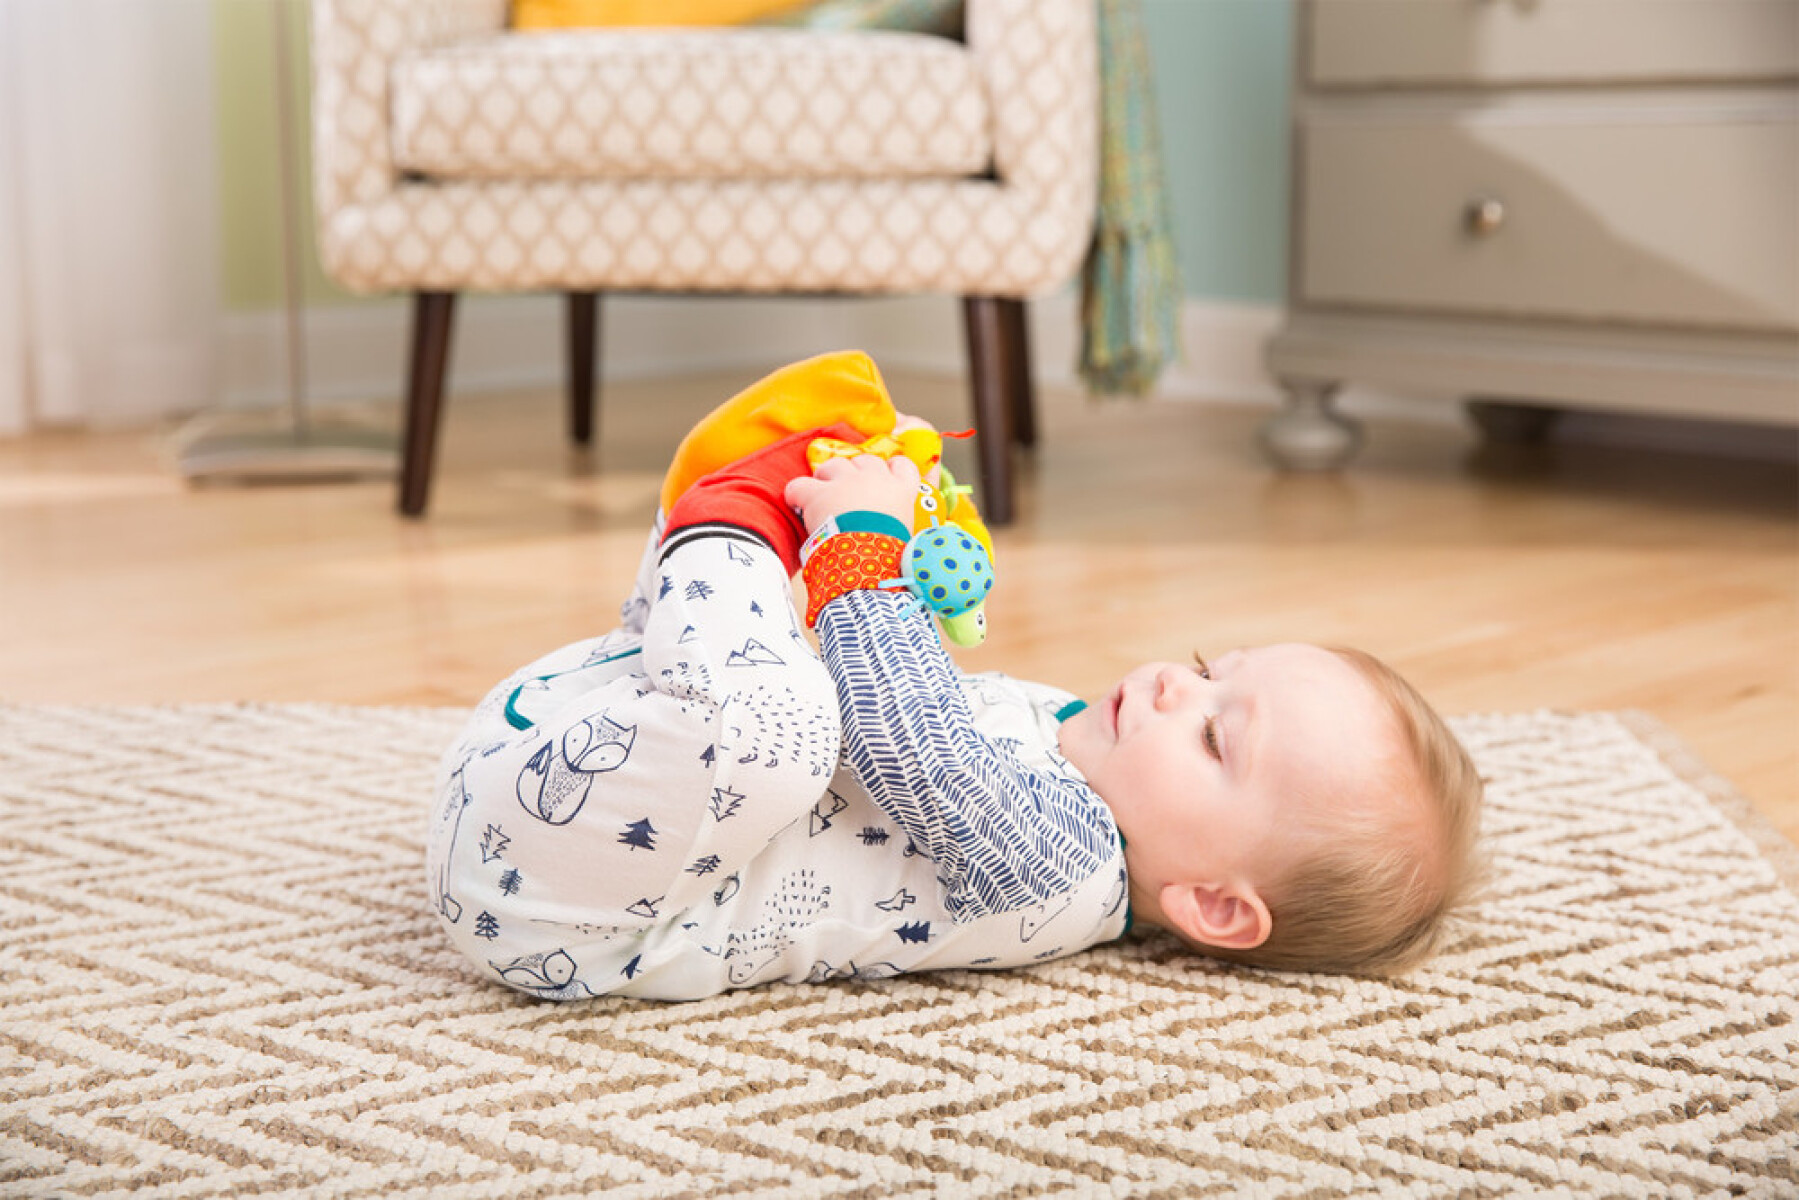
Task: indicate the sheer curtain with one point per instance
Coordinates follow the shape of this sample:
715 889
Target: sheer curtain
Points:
109 213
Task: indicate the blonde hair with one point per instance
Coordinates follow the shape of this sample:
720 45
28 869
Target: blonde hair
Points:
1371 891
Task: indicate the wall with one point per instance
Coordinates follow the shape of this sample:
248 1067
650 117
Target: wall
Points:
1222 70
249 163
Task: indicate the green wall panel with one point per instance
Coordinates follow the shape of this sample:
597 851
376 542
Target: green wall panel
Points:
249 155
1222 70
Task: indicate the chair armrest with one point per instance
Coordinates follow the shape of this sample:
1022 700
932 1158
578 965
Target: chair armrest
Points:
1039 61
354 43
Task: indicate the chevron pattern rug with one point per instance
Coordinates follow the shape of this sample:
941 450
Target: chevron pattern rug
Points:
218 975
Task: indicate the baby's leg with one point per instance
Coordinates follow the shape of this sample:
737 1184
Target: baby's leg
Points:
635 611
639 798
723 637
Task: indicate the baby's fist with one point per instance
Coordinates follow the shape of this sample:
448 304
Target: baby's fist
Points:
863 483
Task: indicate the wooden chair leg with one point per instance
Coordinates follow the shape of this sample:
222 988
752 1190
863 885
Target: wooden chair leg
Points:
1018 361
984 323
583 350
431 322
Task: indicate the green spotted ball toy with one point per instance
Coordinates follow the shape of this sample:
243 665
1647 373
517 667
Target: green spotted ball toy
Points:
950 572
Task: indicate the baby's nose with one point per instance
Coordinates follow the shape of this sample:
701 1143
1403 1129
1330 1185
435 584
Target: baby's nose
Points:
1176 683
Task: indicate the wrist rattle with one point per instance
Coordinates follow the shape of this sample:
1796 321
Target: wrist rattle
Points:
948 572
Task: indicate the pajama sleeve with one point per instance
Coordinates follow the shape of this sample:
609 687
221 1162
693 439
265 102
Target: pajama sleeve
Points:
1004 836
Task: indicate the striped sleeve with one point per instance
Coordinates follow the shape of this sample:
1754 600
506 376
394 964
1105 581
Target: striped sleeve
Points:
1003 836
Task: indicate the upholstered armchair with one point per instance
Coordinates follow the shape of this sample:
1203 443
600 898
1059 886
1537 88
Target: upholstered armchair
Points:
452 153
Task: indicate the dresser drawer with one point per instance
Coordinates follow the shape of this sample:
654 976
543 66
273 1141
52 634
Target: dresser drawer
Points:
1361 43
1660 217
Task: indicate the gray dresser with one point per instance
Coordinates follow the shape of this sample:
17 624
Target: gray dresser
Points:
1545 204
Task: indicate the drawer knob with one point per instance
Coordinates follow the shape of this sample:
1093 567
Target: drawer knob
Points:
1484 216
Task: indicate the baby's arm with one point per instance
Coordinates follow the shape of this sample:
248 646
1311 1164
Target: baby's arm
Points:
1003 836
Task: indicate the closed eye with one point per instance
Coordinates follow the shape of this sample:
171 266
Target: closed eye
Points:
1209 735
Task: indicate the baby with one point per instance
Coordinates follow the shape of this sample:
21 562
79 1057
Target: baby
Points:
697 801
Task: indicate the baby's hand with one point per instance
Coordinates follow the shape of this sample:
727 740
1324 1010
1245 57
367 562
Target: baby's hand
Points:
864 483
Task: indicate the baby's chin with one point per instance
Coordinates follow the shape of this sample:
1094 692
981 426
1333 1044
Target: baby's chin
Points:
1086 734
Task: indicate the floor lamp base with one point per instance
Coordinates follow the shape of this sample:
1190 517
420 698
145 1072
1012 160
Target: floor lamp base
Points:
315 454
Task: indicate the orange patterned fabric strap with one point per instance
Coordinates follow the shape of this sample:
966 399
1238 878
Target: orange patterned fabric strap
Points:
849 562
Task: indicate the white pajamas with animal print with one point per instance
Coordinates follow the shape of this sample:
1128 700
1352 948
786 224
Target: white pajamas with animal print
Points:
696 802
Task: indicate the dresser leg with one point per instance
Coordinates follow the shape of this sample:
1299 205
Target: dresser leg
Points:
1308 434
1512 422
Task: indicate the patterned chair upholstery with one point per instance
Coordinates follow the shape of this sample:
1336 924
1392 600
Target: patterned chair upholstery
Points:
452 153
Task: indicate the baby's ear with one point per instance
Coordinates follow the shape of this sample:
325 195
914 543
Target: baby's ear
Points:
1229 916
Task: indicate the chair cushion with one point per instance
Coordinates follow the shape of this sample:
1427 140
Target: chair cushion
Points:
712 104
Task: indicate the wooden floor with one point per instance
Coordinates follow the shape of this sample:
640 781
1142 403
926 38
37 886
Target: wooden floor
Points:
1498 578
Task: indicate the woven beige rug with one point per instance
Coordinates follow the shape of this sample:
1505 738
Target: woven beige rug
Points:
219 976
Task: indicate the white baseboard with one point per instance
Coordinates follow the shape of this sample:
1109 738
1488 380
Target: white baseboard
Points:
357 352
510 343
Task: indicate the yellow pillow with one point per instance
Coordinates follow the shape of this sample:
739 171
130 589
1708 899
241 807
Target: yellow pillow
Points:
565 14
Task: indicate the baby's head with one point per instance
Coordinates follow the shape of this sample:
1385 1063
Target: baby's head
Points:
1288 806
